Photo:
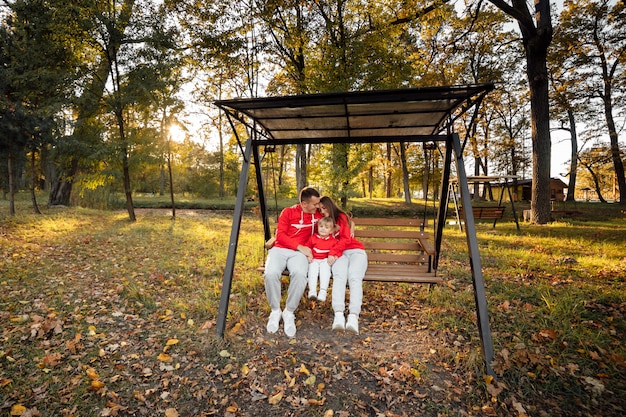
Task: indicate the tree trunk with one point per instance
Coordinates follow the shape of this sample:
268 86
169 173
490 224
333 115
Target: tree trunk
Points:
61 190
536 40
222 191
540 131
11 185
405 174
596 183
615 153
370 188
169 170
426 174
573 165
125 168
33 183
127 190
162 181
301 166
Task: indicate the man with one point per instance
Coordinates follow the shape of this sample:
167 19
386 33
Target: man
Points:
295 226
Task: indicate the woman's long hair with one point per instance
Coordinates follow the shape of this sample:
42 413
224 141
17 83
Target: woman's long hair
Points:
334 211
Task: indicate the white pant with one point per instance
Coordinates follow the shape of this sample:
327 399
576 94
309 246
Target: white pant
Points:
296 262
349 269
319 267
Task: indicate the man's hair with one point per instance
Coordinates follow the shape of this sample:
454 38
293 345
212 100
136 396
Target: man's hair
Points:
307 193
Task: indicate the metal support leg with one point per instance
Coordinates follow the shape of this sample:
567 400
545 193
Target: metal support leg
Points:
229 269
472 245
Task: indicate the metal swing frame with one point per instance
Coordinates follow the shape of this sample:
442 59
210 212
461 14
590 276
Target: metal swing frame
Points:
404 115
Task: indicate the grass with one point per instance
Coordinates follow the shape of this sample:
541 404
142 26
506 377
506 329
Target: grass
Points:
85 289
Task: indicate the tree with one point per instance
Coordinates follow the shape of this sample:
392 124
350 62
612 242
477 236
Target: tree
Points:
287 24
536 37
37 73
597 160
73 152
357 48
597 39
567 102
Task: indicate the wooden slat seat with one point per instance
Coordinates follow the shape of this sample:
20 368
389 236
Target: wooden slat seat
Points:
397 250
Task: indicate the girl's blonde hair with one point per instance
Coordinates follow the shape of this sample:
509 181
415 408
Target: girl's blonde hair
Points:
328 220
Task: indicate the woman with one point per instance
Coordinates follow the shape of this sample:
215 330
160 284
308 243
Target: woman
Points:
349 263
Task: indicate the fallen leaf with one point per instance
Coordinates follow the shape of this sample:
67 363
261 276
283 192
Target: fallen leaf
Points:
319 402
97 384
547 334
171 342
17 410
489 410
171 412
303 370
494 390
521 412
92 374
164 357
275 399
50 361
237 328
596 386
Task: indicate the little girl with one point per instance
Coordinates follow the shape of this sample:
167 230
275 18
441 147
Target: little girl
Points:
321 244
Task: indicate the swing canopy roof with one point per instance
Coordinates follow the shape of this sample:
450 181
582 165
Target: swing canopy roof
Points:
402 115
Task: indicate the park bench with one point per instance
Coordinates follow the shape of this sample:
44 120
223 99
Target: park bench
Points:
493 213
397 250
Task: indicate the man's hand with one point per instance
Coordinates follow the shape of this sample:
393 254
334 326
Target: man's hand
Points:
306 251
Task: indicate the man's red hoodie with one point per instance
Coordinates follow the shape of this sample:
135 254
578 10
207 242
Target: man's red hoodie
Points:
295 227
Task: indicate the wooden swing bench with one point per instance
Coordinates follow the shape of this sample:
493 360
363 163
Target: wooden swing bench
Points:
397 250
492 213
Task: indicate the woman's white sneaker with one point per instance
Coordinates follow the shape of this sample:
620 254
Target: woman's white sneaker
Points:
289 321
352 325
340 322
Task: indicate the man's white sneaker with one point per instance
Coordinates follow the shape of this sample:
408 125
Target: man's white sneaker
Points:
274 321
289 321
340 322
352 325
321 296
